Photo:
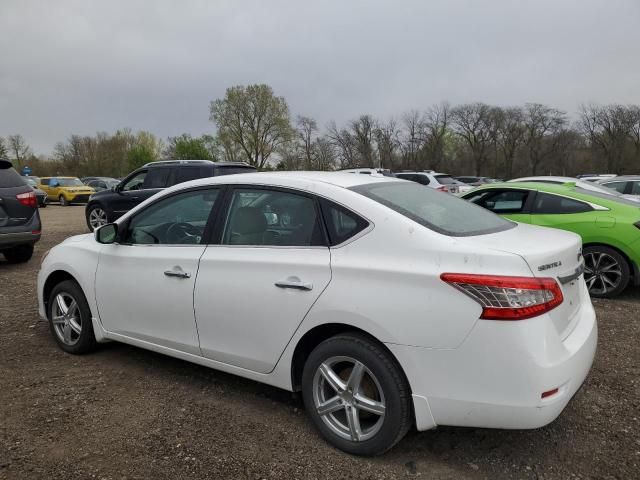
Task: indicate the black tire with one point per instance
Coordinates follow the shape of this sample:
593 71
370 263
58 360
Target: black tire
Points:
398 416
609 256
89 210
63 201
19 254
86 340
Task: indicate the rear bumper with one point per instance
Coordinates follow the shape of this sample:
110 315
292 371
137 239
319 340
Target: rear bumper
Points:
496 377
21 234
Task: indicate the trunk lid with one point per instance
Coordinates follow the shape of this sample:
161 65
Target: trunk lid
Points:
550 253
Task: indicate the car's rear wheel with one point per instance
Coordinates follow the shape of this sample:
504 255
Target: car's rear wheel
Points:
606 271
63 201
70 318
96 217
19 254
356 394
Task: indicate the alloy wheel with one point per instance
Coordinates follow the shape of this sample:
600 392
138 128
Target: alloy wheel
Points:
66 320
348 398
97 218
602 272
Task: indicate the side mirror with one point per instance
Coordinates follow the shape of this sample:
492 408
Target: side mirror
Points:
117 187
107 234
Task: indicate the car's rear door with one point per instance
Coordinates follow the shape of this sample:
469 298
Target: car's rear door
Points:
145 281
256 285
551 210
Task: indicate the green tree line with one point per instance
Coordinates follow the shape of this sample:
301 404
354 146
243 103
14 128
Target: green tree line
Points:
254 125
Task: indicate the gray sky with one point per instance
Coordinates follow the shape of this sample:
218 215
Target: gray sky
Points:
81 67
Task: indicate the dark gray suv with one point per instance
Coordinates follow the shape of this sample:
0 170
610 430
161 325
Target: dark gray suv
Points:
19 218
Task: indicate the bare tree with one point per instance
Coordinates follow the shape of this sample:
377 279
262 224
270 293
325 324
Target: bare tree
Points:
306 129
4 151
387 141
18 149
474 123
542 123
510 133
634 111
608 128
411 140
345 145
436 128
325 154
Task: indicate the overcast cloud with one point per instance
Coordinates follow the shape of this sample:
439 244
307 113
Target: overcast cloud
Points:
81 67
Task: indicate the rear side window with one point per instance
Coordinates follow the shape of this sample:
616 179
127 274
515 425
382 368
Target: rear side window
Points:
341 223
186 174
9 177
414 177
501 201
45 181
546 203
445 214
157 178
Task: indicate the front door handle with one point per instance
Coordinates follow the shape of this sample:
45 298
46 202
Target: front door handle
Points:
177 274
294 283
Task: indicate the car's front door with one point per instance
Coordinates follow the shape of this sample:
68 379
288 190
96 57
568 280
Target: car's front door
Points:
145 281
255 287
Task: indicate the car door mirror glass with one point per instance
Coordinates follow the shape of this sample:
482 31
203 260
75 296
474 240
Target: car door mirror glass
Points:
107 233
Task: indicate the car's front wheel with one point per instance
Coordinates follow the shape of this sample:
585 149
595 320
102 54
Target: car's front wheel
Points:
96 217
356 394
63 201
606 271
70 318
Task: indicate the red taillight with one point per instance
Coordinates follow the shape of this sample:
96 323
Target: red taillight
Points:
549 393
28 199
442 189
508 298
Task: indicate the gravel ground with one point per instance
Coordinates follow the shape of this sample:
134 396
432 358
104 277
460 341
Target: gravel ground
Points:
127 413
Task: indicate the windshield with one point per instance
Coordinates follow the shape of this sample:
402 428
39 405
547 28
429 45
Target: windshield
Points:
111 182
607 196
70 182
445 179
435 210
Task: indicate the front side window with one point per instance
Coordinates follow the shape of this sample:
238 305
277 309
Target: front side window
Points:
635 188
176 220
445 179
263 217
135 182
546 203
69 182
501 201
444 214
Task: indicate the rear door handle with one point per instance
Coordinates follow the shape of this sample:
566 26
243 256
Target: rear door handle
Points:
177 274
295 283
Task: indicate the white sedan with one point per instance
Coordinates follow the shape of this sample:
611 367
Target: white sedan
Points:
386 303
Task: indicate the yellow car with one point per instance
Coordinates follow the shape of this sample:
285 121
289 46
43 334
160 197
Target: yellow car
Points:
66 190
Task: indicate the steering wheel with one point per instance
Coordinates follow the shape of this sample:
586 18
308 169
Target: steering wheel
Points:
183 232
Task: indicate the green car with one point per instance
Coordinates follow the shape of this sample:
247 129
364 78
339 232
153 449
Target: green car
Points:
609 226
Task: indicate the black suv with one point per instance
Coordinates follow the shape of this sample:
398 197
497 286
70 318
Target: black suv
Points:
19 218
106 206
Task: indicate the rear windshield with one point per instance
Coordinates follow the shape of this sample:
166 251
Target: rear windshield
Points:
8 176
445 179
435 210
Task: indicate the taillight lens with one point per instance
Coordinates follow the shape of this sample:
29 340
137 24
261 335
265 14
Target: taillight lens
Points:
442 189
28 199
508 298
